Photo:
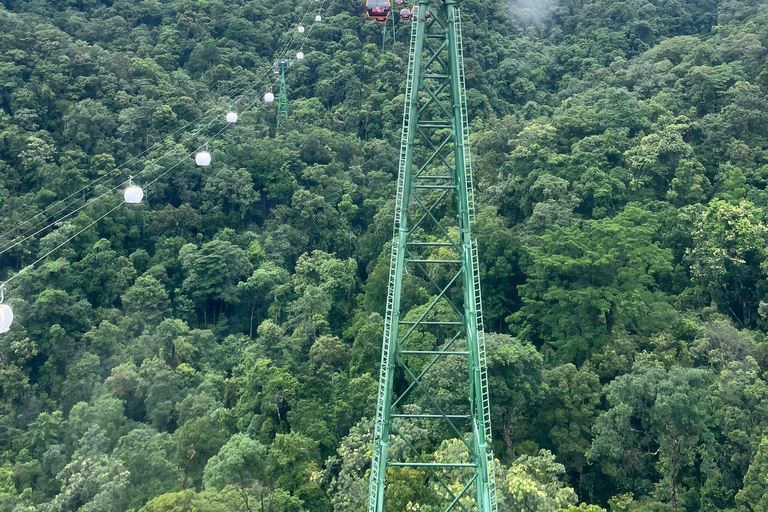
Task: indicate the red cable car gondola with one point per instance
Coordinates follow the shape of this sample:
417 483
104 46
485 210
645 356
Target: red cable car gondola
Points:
405 14
378 10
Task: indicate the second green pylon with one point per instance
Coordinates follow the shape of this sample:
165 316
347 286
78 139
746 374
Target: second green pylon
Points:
433 387
280 66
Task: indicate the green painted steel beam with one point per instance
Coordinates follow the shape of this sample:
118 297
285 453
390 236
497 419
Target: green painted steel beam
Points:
432 353
432 464
282 96
434 211
433 261
433 416
404 322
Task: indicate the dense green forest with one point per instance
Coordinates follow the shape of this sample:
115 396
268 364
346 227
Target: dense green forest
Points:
216 348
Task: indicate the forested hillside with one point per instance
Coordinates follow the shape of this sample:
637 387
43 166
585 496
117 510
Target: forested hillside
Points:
216 348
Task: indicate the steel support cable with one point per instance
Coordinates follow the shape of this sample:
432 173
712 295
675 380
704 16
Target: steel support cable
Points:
306 36
287 46
183 159
197 131
116 172
239 95
30 234
62 244
57 221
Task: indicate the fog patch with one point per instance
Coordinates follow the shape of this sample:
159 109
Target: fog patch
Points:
532 12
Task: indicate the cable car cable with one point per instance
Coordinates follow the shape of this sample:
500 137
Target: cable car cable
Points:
238 95
62 244
38 260
286 46
129 182
123 183
213 110
95 182
308 32
29 234
124 164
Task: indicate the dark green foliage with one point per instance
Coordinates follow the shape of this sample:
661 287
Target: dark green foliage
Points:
216 348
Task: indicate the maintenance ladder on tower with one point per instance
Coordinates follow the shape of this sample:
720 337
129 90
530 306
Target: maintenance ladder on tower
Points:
433 323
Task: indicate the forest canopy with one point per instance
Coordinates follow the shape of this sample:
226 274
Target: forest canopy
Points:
216 347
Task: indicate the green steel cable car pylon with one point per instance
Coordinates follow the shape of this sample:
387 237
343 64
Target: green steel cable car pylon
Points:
392 31
433 251
280 66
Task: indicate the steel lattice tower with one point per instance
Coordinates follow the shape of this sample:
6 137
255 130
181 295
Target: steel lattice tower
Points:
433 250
280 66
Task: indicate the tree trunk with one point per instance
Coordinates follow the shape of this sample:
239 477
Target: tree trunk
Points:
184 469
609 319
506 429
279 418
244 495
263 205
674 468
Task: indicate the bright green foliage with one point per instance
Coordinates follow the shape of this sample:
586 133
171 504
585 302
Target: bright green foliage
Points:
9 498
349 484
582 508
729 244
666 164
148 300
619 158
406 491
189 500
82 377
567 412
146 455
262 289
291 466
534 483
754 495
213 272
516 386
241 462
499 253
740 409
93 481
587 282
196 441
657 422
106 276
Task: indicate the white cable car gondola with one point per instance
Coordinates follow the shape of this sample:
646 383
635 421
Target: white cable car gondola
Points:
6 318
203 158
299 55
133 193
301 29
318 18
269 97
231 117
6 314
